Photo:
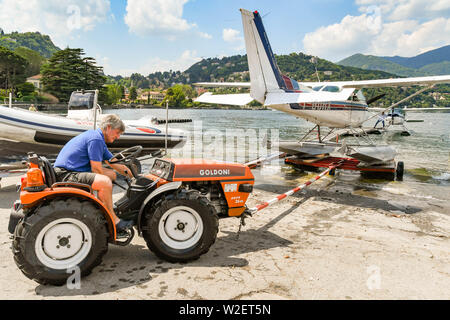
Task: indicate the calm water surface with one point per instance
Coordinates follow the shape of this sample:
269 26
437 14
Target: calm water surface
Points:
426 153
225 136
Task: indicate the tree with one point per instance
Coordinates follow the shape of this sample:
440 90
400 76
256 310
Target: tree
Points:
35 60
113 94
25 89
67 71
175 96
12 69
133 94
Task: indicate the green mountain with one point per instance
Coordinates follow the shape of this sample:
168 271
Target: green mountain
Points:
295 65
434 62
31 40
369 62
235 69
440 68
430 57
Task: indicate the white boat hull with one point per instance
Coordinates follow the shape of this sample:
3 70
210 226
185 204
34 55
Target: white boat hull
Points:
21 129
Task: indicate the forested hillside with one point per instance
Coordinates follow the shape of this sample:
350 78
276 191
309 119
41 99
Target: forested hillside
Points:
31 40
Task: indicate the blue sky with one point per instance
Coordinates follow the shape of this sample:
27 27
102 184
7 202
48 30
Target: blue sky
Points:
144 36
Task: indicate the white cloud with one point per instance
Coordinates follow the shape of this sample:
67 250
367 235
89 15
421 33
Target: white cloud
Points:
234 37
53 17
205 35
231 35
187 59
159 18
385 27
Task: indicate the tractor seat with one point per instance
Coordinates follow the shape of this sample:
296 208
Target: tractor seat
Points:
51 178
49 172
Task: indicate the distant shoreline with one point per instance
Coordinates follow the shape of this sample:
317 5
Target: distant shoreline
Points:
63 107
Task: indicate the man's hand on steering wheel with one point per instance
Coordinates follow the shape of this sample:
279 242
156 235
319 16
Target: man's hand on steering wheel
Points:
121 158
126 158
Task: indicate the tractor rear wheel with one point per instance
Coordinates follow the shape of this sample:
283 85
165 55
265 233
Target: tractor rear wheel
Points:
181 226
61 237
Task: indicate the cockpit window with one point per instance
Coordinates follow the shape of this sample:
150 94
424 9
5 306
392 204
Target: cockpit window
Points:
361 96
317 88
331 89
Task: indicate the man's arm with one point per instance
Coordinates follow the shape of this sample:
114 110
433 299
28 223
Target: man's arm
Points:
121 168
96 167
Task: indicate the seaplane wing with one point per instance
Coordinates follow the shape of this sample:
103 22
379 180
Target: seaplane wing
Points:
223 84
378 83
238 99
381 83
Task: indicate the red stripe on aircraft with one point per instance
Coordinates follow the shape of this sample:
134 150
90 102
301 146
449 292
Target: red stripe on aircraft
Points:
288 83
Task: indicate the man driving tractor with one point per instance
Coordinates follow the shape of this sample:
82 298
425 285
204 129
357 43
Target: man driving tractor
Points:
81 161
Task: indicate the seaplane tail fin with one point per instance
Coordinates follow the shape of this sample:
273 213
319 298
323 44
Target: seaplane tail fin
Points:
264 73
265 76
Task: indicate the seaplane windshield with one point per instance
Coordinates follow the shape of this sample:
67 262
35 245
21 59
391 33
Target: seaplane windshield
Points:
361 96
81 101
331 89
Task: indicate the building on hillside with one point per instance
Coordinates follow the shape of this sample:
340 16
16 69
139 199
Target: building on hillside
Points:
158 96
36 81
154 95
200 90
437 96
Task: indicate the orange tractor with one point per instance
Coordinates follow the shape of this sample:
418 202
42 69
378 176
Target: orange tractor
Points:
58 226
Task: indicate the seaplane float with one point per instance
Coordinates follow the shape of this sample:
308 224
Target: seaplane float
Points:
336 108
22 131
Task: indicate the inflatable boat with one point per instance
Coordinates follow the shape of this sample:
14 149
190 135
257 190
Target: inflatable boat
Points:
22 131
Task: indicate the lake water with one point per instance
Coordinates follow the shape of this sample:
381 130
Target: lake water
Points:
240 135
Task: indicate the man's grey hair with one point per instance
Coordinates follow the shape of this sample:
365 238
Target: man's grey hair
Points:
113 121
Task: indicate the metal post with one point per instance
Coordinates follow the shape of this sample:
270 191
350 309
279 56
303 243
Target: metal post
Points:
10 99
95 108
167 123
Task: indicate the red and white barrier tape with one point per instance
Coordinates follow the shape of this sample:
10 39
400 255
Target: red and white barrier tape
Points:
295 190
258 162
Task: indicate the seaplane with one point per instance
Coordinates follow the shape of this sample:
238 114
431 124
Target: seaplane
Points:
336 108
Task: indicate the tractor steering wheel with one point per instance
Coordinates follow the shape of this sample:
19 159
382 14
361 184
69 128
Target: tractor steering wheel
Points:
129 160
121 158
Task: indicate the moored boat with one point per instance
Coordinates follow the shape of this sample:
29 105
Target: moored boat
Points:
22 131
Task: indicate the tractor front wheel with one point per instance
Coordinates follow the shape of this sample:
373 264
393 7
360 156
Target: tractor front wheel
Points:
181 226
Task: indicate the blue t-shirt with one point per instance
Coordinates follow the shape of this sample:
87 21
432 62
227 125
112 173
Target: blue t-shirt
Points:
78 152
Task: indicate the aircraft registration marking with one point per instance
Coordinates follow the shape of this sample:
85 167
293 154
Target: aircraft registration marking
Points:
321 106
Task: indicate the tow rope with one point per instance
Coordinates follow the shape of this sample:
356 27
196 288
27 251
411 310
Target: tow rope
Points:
254 164
295 190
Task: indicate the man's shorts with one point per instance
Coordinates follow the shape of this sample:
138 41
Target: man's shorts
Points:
63 175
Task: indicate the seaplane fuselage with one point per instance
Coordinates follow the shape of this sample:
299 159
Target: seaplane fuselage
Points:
338 109
333 114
